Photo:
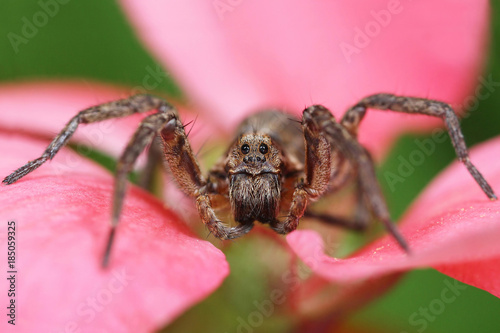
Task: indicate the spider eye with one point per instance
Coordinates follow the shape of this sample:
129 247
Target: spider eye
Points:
245 149
263 148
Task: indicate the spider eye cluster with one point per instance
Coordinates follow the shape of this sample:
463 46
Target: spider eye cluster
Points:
263 148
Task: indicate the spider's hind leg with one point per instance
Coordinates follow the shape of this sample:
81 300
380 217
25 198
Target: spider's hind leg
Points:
142 137
355 115
355 224
358 222
154 161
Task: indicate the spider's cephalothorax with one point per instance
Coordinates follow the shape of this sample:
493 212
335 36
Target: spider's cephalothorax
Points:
253 166
273 169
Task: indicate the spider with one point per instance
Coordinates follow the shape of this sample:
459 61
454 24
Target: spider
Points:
272 167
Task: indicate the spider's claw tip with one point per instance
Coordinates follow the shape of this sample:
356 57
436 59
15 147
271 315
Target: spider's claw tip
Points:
105 262
107 251
209 233
403 245
407 249
7 180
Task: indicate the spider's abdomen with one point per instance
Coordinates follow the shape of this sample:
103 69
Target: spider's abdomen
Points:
254 198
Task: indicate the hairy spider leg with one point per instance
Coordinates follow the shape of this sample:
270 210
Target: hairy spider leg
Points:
186 171
153 162
340 138
143 136
415 105
359 222
116 109
316 178
352 120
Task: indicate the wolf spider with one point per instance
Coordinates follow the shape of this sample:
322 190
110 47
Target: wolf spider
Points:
271 166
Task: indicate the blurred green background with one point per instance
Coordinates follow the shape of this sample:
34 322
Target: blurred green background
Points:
91 40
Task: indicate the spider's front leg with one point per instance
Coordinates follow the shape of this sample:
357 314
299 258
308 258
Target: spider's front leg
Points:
317 171
322 134
186 172
355 114
116 109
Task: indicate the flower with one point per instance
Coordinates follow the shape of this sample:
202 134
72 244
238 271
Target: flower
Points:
359 54
233 57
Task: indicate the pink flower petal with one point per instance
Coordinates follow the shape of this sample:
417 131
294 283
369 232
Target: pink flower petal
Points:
452 227
157 270
235 56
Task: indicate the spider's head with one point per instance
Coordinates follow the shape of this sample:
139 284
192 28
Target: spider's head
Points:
255 181
254 154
